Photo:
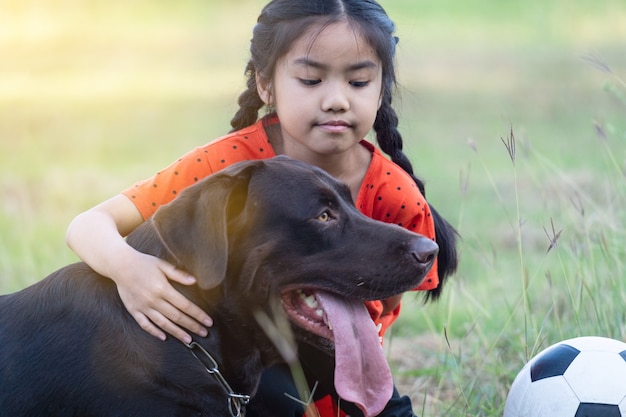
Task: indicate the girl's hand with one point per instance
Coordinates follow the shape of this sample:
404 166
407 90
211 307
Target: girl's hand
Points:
143 281
155 304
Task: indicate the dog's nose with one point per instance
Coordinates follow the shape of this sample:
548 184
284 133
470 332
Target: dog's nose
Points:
425 251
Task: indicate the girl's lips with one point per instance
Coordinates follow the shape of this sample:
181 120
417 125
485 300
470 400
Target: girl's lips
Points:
335 126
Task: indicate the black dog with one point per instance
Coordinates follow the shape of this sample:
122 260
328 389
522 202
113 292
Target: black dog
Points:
256 235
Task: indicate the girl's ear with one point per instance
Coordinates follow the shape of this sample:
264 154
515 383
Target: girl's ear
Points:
264 88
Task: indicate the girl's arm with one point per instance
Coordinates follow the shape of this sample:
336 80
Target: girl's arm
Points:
97 237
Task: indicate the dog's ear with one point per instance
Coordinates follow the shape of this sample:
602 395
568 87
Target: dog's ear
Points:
194 226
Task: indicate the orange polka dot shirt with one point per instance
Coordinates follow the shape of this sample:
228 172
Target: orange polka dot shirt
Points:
387 192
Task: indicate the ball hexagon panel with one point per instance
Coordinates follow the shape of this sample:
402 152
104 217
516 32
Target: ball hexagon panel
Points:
606 386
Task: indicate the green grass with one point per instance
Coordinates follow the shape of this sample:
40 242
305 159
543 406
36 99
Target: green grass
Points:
94 96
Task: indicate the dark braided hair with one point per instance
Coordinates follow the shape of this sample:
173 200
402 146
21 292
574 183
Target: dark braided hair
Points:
249 102
281 22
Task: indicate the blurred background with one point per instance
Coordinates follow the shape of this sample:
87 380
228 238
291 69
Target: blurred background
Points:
95 95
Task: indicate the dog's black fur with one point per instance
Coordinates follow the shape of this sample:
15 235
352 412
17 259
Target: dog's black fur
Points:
250 234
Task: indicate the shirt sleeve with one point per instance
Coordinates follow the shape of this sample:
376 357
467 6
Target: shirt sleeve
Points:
148 195
249 143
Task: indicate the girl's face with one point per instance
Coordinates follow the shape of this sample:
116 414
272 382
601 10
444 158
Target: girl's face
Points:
326 91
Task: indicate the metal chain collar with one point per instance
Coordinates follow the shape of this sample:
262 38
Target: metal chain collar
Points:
236 402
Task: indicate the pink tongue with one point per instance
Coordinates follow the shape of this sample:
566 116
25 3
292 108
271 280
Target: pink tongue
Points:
362 375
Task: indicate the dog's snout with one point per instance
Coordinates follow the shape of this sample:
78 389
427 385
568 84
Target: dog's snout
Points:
425 251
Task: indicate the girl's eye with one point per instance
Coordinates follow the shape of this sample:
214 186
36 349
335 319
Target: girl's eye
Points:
324 216
359 84
309 83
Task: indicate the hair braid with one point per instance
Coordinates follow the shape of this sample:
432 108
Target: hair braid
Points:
249 102
389 137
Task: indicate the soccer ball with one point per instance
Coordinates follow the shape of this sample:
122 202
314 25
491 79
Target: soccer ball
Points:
581 377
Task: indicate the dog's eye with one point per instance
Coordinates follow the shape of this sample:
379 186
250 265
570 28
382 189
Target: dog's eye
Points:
324 216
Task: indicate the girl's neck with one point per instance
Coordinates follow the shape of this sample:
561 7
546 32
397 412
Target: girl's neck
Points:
349 167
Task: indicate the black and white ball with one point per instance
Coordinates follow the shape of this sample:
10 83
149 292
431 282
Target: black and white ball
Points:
581 377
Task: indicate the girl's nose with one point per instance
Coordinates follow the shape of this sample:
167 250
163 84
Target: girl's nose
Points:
335 99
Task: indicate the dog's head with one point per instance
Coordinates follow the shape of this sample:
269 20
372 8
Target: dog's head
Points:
282 231
294 220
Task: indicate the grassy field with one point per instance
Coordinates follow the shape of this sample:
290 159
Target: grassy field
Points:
95 95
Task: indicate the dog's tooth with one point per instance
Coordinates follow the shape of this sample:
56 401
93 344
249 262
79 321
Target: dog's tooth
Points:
327 322
310 301
379 327
319 312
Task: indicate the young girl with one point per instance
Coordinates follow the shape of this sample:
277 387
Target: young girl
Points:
324 70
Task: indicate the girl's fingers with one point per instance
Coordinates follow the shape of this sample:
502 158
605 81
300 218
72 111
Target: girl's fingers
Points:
179 317
177 275
183 304
189 311
146 324
158 307
167 325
